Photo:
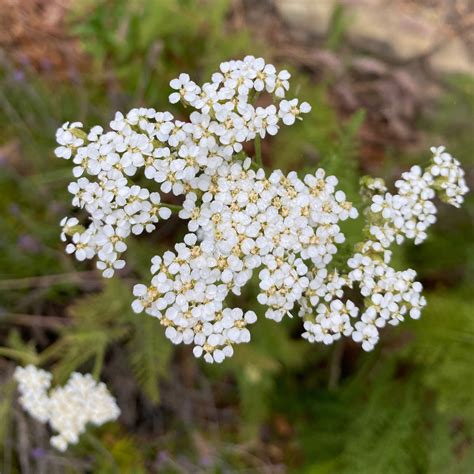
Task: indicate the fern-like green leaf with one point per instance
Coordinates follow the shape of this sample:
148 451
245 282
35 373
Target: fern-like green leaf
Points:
149 353
445 346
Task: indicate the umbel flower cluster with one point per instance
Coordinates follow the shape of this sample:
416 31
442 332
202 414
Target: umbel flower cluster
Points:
67 409
244 223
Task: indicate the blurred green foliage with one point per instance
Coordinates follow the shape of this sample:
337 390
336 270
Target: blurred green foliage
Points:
405 408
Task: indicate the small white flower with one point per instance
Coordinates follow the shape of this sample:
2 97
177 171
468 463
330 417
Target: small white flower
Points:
187 89
289 110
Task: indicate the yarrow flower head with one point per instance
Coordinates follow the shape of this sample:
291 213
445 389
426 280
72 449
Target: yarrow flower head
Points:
67 409
244 222
448 177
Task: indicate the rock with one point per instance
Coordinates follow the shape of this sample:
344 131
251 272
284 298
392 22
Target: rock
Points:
394 30
388 30
452 58
313 16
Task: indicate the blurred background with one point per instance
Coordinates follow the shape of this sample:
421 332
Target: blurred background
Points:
386 79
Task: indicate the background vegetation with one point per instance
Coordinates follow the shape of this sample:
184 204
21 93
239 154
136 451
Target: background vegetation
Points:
281 404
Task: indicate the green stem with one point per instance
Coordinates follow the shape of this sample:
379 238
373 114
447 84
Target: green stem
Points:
254 166
51 352
173 207
18 355
258 151
98 363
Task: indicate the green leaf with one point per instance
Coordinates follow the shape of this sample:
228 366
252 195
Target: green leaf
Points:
78 347
98 321
445 346
383 436
149 353
7 393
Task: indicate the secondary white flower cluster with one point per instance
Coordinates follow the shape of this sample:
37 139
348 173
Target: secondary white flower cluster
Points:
282 230
389 295
409 213
448 177
116 206
67 409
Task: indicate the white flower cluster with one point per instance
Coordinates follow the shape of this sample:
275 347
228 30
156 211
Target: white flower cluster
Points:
244 221
282 230
448 177
179 156
409 213
391 295
116 206
67 409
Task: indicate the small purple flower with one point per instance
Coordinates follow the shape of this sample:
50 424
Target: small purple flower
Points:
46 64
38 453
29 244
14 209
19 75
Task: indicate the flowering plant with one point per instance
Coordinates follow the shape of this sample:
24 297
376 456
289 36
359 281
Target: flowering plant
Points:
242 220
67 409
